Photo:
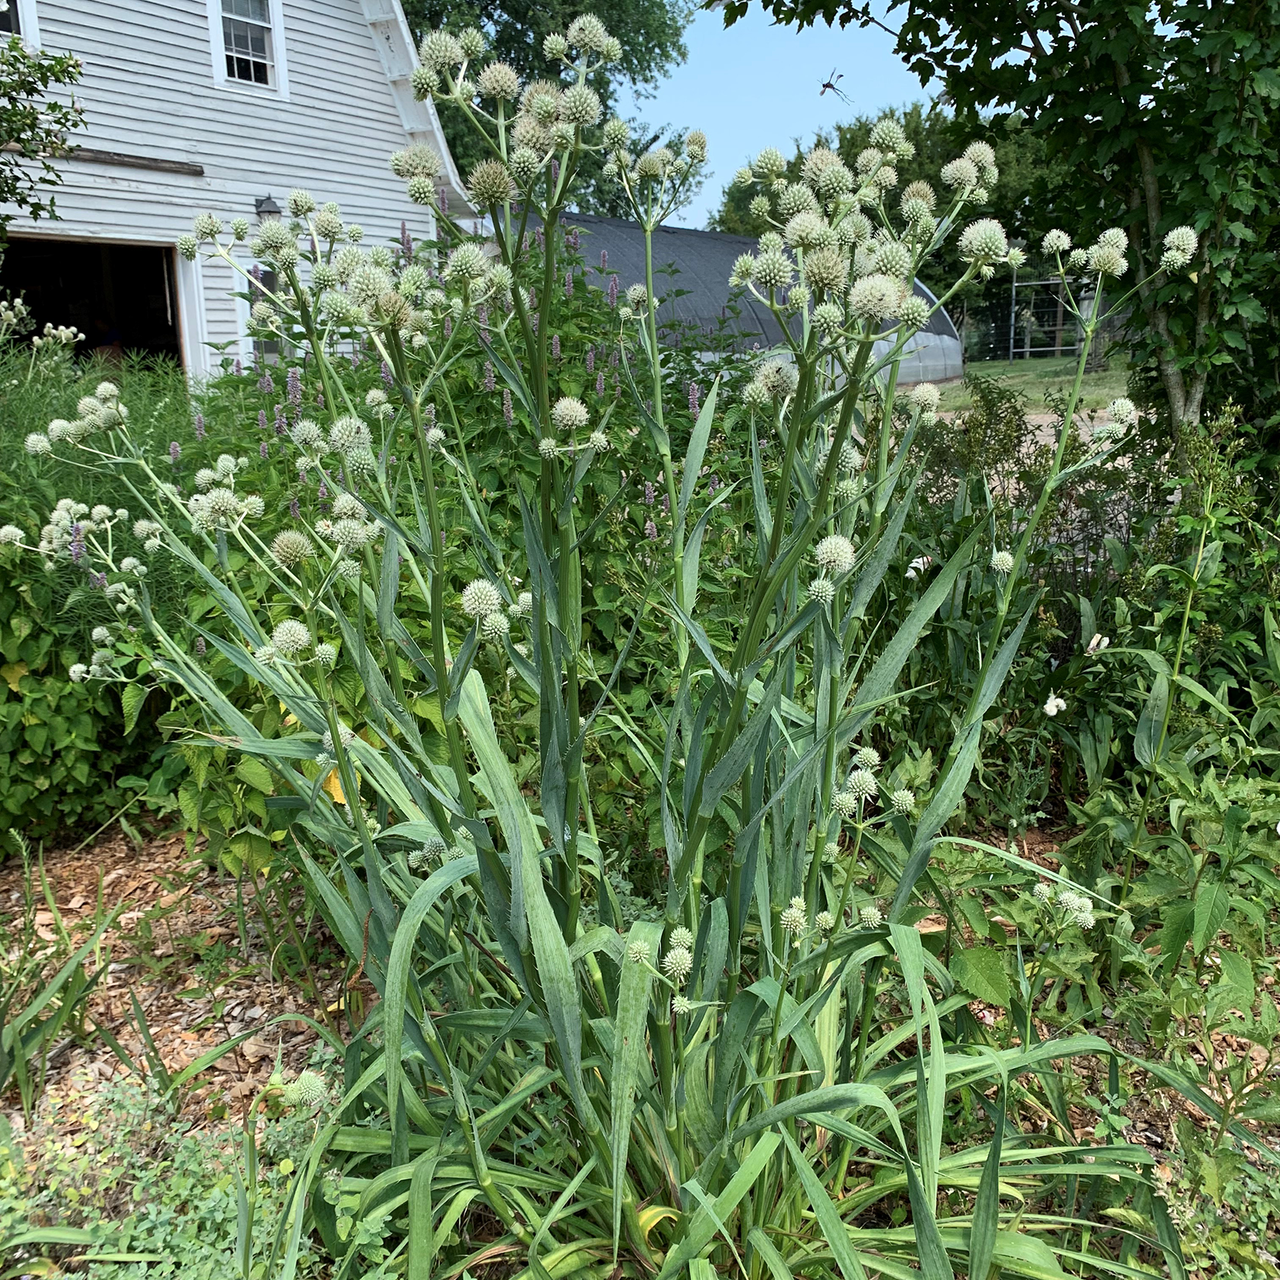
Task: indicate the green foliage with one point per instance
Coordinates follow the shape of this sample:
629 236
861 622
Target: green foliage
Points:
126 1187
35 126
1160 116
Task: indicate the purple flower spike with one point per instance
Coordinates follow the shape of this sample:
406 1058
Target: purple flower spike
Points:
612 294
568 284
600 383
693 398
262 449
175 451
388 380
649 493
281 422
555 346
489 381
293 389
604 260
200 646
507 412
199 426
265 385
237 368
294 510
591 359
651 531
262 419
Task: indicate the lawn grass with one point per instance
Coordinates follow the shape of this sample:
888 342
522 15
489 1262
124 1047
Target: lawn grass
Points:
1033 378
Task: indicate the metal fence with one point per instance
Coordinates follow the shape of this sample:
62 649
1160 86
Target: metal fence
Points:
1031 320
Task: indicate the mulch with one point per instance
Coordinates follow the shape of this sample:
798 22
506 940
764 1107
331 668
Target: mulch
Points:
177 949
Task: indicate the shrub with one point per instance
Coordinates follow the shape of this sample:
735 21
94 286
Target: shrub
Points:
766 1067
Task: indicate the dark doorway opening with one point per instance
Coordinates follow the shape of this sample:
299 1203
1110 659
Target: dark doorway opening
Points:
122 297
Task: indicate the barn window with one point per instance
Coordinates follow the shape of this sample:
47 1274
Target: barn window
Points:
10 24
247 39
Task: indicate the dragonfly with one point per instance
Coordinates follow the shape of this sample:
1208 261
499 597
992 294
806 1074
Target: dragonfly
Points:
832 82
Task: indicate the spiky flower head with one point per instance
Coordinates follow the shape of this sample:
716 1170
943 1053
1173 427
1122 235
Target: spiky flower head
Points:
580 106
290 547
925 396
903 801
695 145
1123 411
960 173
1002 561
828 319
913 314
207 226
875 297
480 598
862 784
677 964
871 916
835 554
499 80
440 51
1056 241
983 241
824 922
569 414
866 758
1106 258
326 655
1083 918
823 590
490 183
795 916
587 32
845 803
774 270
681 1005
466 262
1043 891
779 377
290 637
681 937
308 1090
770 163
494 626
826 269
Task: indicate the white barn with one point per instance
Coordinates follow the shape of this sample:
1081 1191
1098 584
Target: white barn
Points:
215 105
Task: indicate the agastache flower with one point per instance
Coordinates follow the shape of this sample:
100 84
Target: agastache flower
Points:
293 389
262 450
693 399
568 284
281 422
489 381
555 346
265 385
262 419
175 451
199 426
508 413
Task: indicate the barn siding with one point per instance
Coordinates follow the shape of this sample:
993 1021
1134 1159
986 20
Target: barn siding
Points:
149 90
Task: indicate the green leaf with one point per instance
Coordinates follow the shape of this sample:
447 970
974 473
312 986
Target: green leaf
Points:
829 1220
1146 740
980 971
132 696
634 983
256 774
1211 906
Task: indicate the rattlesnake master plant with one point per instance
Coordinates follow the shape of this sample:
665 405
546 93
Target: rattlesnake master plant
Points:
757 1079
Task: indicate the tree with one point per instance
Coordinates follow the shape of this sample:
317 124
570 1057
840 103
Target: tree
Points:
1164 115
651 33
34 128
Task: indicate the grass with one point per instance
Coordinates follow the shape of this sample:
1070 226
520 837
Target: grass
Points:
1034 378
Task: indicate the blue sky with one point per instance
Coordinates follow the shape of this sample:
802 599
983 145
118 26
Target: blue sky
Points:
756 85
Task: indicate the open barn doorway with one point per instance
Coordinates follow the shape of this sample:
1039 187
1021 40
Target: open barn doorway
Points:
122 297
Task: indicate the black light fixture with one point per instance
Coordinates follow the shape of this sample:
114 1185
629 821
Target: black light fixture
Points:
266 207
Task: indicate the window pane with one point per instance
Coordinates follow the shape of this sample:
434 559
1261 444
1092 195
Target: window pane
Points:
9 18
253 10
248 49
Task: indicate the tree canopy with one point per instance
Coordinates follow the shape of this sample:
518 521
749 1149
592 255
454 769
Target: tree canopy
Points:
1162 115
34 127
651 33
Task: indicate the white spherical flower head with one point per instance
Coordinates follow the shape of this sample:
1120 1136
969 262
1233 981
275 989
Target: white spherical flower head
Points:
983 241
875 297
326 655
1056 241
960 173
835 554
862 784
681 1005
1107 259
548 448
795 917
291 637
207 226
925 396
555 47
466 262
773 270
1002 561
524 604
770 163
580 106
677 964
11 535
37 443
871 916
499 80
681 937
290 547
903 801
823 590
831 850
569 413
824 922
494 626
638 953
1043 892
1054 705
867 758
1123 412
844 803
480 598
490 183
